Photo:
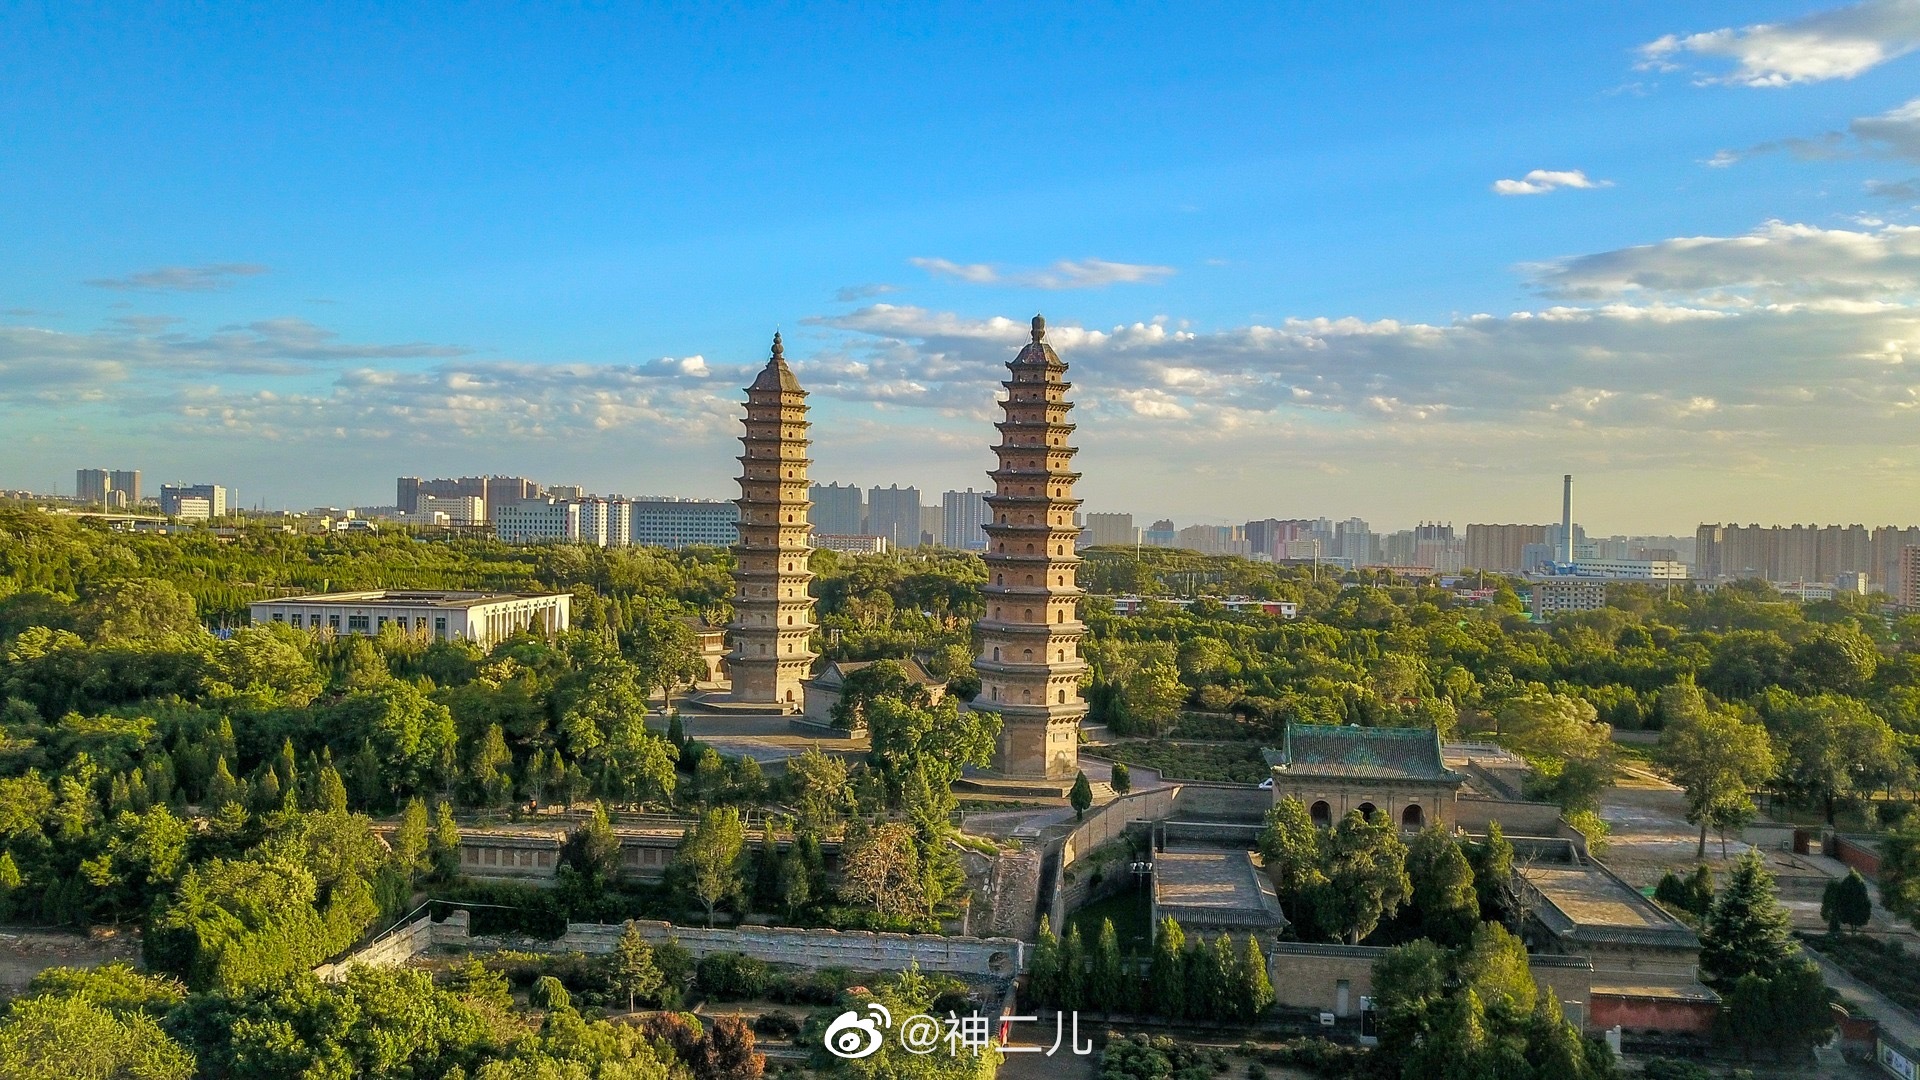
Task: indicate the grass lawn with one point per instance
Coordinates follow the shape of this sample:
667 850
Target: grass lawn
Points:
1129 912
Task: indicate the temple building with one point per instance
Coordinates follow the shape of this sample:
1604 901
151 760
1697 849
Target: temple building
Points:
772 609
1029 662
1399 772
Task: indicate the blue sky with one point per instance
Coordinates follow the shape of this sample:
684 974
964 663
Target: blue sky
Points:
1410 262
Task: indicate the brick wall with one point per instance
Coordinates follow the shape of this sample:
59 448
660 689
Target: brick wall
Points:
400 946
1666 1015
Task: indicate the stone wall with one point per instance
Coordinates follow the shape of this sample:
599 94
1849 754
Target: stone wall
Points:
855 950
1515 818
1311 977
400 946
1221 802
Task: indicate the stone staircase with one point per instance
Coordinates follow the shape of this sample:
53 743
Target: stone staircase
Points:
1012 894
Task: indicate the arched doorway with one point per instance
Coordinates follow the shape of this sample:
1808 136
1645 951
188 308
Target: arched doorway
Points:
1321 813
1367 810
1411 817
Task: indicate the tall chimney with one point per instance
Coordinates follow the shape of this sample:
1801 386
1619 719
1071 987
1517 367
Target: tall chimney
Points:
1566 518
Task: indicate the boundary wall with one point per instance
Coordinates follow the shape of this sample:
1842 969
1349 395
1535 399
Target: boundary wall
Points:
400 945
857 950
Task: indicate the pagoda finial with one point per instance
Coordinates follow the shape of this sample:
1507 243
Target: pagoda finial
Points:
1039 328
778 352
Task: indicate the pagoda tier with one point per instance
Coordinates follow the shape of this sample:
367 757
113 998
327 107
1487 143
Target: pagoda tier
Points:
772 607
1029 662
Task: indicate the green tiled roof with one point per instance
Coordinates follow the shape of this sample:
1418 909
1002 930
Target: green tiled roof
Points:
1374 753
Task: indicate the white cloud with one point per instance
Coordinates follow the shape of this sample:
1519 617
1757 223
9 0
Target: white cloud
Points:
1778 263
181 278
1065 274
1836 44
1541 181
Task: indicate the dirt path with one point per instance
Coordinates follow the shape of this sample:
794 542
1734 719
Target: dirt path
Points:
26 953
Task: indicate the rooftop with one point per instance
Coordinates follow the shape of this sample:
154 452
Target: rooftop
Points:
1585 901
1349 752
407 598
1213 888
777 375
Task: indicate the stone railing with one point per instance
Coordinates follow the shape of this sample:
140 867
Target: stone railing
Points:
399 945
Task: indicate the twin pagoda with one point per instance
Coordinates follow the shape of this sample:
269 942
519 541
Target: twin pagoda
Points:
1029 659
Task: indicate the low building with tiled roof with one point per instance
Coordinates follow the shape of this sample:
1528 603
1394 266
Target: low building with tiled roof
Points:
823 690
1396 771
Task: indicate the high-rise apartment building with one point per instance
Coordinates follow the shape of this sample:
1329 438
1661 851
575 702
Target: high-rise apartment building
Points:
1111 530
772 608
1029 663
217 499
459 509
1503 548
964 517
1803 553
1159 534
90 487
894 512
492 491
125 484
1910 578
838 509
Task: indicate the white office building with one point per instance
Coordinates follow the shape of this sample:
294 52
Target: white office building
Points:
537 521
482 618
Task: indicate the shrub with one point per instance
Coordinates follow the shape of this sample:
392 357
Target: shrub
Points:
731 976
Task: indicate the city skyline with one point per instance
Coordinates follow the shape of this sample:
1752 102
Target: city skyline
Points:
1343 268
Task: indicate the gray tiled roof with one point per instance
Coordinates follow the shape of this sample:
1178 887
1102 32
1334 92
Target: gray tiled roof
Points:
1374 753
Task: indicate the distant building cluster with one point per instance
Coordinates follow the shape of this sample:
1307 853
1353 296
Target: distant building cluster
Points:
1809 555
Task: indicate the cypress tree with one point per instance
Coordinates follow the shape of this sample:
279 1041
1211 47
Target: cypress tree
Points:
1225 971
223 788
1122 778
1043 971
1847 901
1256 987
1107 985
1747 932
1167 973
1700 890
332 796
1073 970
289 774
445 845
1081 796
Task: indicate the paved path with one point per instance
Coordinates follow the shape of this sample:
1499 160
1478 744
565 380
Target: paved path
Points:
1866 1000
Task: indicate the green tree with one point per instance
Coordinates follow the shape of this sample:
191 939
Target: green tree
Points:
1846 902
1043 970
443 847
1831 748
1900 870
1492 861
549 993
70 1037
1292 847
908 994
412 839
1366 877
593 849
712 857
1717 758
1108 978
1122 778
1443 892
1073 969
881 869
1747 932
1167 972
1255 990
1081 796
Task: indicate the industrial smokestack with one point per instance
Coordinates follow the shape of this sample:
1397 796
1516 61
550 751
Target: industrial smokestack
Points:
1566 518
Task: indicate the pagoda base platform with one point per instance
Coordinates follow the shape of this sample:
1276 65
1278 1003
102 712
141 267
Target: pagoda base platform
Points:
1013 787
723 703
